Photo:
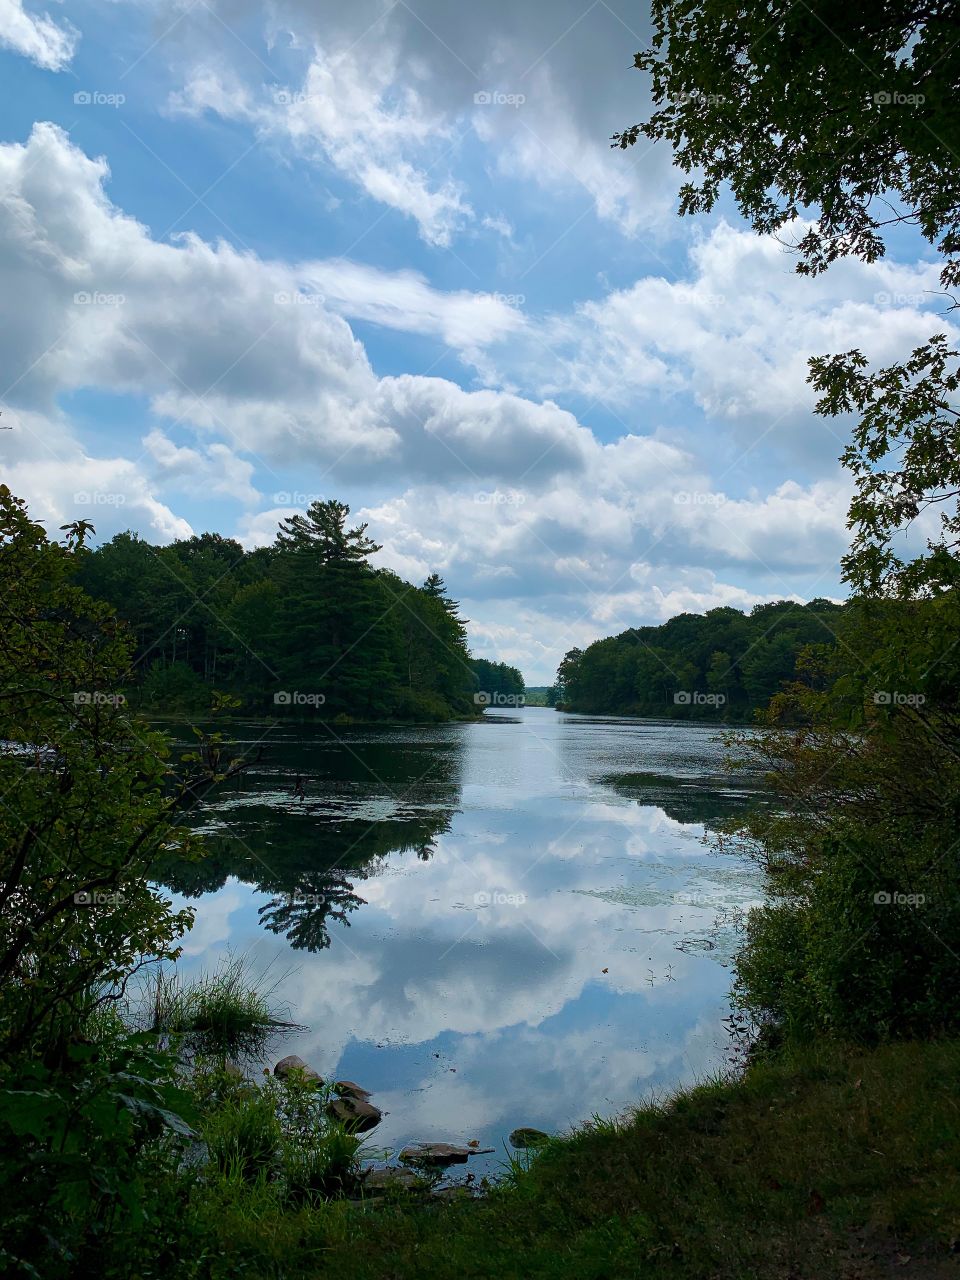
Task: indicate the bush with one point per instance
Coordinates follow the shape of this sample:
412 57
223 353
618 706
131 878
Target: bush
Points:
871 953
861 934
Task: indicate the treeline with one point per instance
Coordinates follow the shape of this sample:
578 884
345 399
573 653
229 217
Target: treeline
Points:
498 683
306 626
723 664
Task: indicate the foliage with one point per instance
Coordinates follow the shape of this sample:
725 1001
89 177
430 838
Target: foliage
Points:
862 845
214 1015
306 626
849 112
89 802
95 1139
827 1163
905 460
90 1114
851 109
722 665
496 682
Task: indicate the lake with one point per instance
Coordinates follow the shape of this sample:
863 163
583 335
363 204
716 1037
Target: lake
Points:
488 925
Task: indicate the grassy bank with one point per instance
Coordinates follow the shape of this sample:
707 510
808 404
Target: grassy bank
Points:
826 1164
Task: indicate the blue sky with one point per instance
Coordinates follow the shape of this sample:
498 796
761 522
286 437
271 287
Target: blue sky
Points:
384 252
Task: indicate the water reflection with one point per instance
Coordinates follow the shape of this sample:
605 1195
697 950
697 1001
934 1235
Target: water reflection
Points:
354 802
531 938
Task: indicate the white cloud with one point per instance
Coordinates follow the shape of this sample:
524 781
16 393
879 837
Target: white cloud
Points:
387 94
231 345
43 462
215 470
361 117
545 530
736 333
404 300
37 37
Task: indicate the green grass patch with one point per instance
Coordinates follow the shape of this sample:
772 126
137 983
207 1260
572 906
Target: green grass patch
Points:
221 1014
824 1163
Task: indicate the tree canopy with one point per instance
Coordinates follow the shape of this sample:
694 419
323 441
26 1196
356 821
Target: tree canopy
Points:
306 626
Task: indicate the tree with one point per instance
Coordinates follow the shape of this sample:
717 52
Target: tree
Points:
334 637
322 533
849 111
814 105
905 414
89 799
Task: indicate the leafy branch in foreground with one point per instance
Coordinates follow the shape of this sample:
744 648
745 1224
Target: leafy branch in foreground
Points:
89 799
849 109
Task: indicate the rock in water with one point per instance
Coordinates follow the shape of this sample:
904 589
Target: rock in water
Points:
436 1153
292 1063
379 1180
348 1089
523 1138
354 1114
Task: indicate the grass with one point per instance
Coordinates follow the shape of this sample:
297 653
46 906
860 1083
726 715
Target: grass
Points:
215 1015
825 1164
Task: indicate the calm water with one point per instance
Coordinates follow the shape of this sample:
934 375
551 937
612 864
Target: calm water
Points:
484 924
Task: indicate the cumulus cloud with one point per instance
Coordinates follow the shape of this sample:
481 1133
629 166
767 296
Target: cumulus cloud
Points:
44 462
359 117
214 470
37 37
252 374
527 950
386 96
234 345
736 332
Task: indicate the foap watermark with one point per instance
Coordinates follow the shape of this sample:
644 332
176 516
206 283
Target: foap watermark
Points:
97 898
295 298
484 699
896 698
94 698
294 698
296 899
883 898
694 698
500 498
495 98
85 298
887 299
98 498
698 498
97 98
294 97
697 97
698 297
498 899
296 499
883 98
504 299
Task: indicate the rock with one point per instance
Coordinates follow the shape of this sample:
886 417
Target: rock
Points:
348 1089
354 1114
523 1138
292 1063
437 1153
231 1069
380 1180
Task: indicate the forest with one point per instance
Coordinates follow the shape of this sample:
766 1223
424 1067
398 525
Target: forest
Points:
305 626
721 665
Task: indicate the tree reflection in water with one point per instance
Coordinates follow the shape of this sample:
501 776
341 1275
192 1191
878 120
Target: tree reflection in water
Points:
309 855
